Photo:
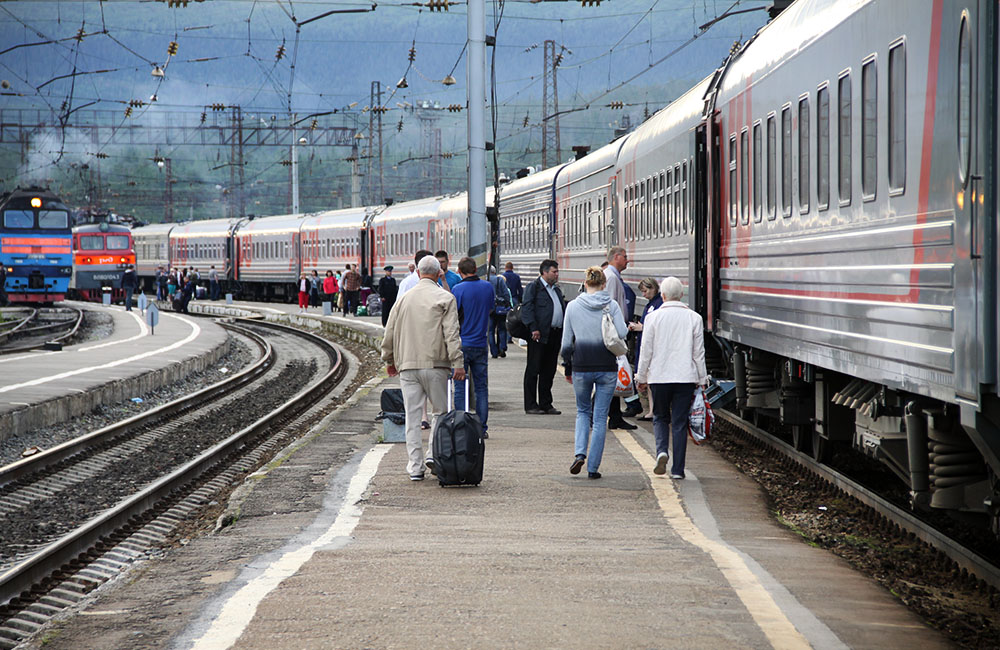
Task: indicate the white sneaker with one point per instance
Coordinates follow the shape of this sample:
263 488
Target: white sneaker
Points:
431 466
679 477
661 464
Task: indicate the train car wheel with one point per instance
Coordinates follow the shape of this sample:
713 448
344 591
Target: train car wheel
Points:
820 447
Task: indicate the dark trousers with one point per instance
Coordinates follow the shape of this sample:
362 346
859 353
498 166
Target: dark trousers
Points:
386 308
128 298
351 302
214 289
497 334
671 409
540 371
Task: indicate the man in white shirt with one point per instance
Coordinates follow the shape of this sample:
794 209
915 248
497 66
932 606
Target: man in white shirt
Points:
411 280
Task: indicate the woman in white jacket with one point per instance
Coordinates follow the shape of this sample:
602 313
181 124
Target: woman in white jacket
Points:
672 364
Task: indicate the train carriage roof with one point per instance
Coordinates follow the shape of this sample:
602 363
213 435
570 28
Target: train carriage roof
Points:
153 230
529 184
677 118
603 158
206 228
420 209
273 225
348 217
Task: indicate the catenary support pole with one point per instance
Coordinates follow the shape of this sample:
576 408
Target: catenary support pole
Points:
476 96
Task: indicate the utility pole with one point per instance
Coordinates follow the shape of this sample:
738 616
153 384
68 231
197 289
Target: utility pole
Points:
550 107
430 145
375 140
476 97
355 177
236 167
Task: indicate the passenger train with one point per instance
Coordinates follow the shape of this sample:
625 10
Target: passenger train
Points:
827 196
35 245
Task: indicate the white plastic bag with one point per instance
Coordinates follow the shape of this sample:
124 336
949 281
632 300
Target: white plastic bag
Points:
701 419
623 384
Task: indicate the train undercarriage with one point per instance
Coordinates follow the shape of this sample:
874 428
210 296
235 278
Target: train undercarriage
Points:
922 441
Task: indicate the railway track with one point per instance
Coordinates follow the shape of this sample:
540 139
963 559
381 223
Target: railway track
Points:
47 327
971 566
72 516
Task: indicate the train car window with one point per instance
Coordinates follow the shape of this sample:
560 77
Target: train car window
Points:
654 217
677 199
964 100
897 118
91 242
685 219
18 219
772 166
804 154
869 129
844 137
823 148
745 177
53 219
590 228
733 187
661 200
757 156
118 242
670 203
786 161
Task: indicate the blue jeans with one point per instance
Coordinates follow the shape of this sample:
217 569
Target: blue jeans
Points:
475 369
671 409
592 418
128 298
497 334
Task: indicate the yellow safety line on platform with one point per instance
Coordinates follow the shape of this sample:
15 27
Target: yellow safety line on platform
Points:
765 612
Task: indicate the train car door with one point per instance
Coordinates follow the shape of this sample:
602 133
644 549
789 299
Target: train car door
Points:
972 42
708 143
611 215
699 274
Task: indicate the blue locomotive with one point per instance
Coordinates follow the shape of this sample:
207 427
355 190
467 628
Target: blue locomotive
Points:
35 245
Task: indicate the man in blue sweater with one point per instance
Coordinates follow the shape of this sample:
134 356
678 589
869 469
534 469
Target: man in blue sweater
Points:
475 299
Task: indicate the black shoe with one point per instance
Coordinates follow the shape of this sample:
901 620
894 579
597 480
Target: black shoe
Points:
417 477
534 411
503 354
494 356
622 424
551 411
631 413
577 464
593 475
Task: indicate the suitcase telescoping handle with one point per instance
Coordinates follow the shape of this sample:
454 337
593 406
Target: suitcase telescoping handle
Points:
451 393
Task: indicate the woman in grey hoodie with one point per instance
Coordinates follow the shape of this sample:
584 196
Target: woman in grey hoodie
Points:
590 367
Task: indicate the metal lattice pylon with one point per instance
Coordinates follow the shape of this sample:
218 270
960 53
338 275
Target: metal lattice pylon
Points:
550 108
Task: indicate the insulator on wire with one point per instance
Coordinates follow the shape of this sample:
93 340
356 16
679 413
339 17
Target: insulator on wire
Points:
413 54
280 53
172 48
616 105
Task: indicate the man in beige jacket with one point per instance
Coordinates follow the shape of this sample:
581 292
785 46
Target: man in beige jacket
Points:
421 344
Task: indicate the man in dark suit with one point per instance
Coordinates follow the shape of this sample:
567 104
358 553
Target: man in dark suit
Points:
387 291
542 313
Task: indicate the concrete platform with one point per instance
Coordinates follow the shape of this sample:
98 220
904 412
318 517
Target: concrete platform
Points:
42 388
334 547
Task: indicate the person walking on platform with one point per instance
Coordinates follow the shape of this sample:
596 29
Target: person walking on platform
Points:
516 290
617 262
421 345
503 302
411 280
330 286
129 283
351 286
314 287
672 364
475 300
303 293
187 292
542 313
161 283
590 367
387 291
650 289
213 283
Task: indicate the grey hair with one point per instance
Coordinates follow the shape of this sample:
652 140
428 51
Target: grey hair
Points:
493 270
615 251
429 265
671 288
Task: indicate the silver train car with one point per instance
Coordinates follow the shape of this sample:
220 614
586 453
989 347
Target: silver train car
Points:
828 198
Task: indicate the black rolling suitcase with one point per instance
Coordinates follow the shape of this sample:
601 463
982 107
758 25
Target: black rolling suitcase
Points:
459 447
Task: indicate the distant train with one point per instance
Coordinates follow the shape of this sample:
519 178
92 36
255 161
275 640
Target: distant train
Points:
35 245
829 199
101 253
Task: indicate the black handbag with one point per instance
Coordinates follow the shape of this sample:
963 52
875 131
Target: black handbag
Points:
515 326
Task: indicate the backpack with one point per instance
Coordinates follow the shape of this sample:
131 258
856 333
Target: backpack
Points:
501 297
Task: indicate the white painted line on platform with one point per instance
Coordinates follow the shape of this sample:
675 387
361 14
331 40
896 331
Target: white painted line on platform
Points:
239 609
195 330
143 331
769 617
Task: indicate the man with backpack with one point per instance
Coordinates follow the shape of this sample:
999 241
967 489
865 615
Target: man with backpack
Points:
502 304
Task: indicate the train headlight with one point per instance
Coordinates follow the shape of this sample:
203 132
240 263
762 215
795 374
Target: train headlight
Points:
123 260
36 202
